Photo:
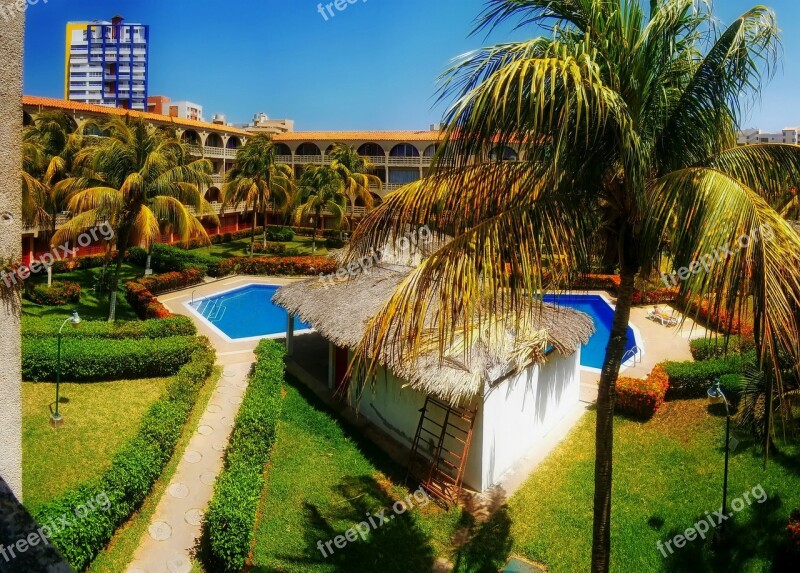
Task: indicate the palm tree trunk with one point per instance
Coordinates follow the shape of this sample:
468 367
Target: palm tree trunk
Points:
122 246
253 231
604 436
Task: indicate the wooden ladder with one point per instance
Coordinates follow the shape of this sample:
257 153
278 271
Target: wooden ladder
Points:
447 430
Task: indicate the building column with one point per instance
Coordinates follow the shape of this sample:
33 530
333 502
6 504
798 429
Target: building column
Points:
290 335
11 42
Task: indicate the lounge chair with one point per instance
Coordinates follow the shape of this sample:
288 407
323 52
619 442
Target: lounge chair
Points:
657 315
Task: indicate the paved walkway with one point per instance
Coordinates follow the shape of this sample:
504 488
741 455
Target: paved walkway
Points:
175 527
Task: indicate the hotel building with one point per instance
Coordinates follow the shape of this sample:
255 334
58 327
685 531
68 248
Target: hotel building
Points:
106 63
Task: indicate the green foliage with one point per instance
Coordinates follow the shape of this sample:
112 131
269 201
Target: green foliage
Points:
279 234
167 259
47 328
56 295
231 515
733 386
269 248
96 359
693 379
334 243
133 470
709 348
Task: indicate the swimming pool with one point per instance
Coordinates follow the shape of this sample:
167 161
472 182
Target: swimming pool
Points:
602 313
245 313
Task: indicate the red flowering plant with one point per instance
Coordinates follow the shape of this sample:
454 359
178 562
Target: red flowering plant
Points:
793 529
641 398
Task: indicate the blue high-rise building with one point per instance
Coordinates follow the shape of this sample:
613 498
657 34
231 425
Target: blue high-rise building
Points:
107 63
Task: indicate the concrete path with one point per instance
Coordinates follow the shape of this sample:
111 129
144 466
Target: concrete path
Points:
175 527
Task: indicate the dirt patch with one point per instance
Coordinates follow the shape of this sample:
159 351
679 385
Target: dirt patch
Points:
679 419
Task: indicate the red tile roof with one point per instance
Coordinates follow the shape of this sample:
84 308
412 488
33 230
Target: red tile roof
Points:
367 136
46 102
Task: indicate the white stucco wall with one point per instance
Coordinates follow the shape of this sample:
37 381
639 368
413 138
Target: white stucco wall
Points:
520 411
510 422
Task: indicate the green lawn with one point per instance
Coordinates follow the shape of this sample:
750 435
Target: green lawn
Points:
667 475
90 307
241 248
323 479
98 419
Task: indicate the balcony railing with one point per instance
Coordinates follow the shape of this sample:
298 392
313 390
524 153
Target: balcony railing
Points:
413 161
317 159
287 159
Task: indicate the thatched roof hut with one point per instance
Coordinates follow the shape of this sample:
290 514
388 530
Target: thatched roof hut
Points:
341 310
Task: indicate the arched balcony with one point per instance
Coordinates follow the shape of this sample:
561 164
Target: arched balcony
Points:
404 154
308 153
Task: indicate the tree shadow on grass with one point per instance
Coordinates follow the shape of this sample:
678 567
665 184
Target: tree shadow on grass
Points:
483 539
396 543
760 538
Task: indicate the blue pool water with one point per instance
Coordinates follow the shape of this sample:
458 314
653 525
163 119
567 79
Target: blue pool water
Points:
246 312
593 353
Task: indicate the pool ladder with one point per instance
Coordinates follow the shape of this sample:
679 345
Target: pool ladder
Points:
216 313
635 353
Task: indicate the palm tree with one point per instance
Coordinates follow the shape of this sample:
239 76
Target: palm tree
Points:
49 147
137 178
620 109
321 187
356 174
257 180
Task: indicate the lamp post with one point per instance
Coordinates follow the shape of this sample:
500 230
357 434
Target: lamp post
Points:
716 396
313 235
55 418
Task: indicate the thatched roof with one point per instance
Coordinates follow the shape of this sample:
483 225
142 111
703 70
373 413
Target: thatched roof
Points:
340 312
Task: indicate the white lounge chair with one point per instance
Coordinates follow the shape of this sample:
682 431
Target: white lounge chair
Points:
662 318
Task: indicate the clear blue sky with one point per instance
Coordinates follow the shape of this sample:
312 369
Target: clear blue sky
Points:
372 66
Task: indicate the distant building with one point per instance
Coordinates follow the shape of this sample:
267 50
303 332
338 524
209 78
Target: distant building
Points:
753 136
158 104
263 124
106 63
186 110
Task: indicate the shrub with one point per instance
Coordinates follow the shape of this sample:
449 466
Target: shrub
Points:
733 386
710 348
292 266
141 292
269 248
793 530
693 379
232 511
96 359
280 234
641 397
33 327
702 309
167 259
79 263
134 469
59 294
334 243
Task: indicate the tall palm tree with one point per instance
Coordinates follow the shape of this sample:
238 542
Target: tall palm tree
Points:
49 147
617 108
320 187
137 178
357 175
258 180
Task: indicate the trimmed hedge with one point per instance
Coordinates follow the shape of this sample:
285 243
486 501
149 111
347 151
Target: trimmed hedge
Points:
97 359
710 348
141 293
280 234
269 248
642 397
169 259
56 295
134 469
33 327
733 385
303 266
693 379
231 515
